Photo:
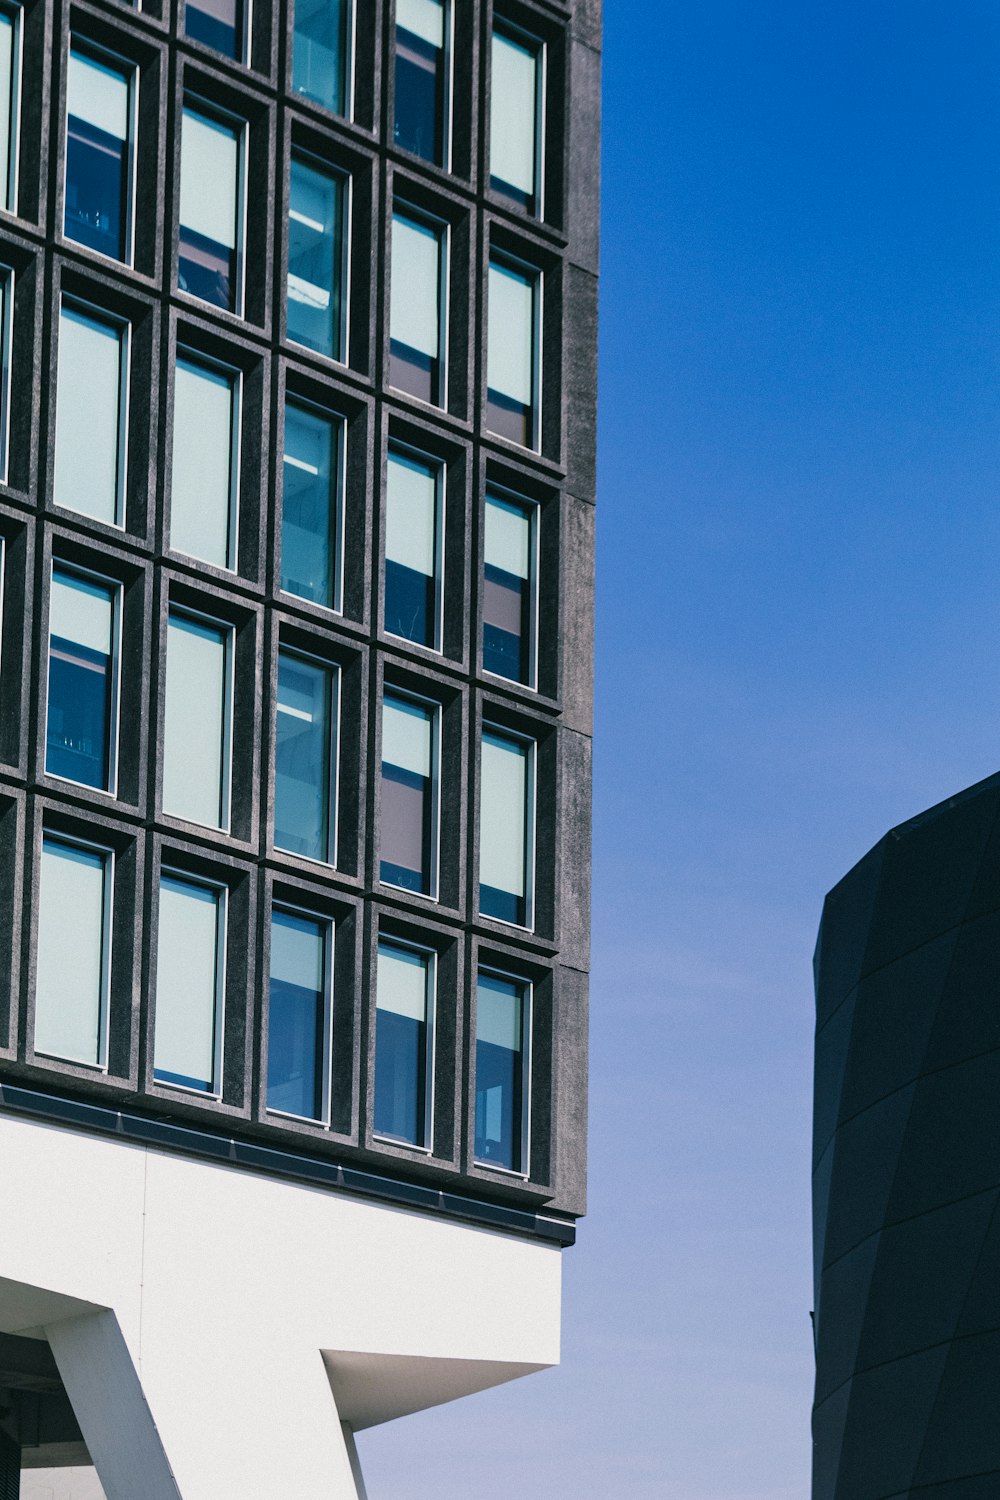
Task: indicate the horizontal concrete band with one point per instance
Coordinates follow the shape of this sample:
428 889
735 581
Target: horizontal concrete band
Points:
318 1172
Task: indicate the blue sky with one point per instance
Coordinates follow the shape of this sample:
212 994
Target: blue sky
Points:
799 589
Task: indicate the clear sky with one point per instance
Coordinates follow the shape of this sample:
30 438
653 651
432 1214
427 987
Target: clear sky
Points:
799 592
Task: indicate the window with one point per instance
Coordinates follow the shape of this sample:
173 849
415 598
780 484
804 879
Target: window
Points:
311 509
417 319
211 229
503 1026
92 413
422 79
320 52
516 118
305 758
513 352
414 536
6 329
73 979
81 722
509 587
99 153
10 103
204 482
220 24
190 983
298 1027
197 731
409 814
404 1024
506 828
317 306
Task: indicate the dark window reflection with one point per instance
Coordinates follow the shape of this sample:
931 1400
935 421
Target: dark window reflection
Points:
297 1015
97 155
78 731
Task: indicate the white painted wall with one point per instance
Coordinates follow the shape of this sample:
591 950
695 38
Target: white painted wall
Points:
240 1303
61 1484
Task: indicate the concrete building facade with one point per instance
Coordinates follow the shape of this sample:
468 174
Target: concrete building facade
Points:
298 312
906 1179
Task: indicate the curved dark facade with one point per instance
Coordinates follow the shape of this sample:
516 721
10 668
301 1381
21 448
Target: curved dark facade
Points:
906 1173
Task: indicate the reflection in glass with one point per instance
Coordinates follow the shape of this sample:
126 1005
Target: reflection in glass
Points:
297 1015
211 210
505 854
79 727
412 529
511 362
515 107
304 757
90 413
71 987
98 166
408 812
415 334
196 731
310 506
421 78
203 481
189 984
319 52
404 995
315 254
10 44
219 24
508 590
500 1008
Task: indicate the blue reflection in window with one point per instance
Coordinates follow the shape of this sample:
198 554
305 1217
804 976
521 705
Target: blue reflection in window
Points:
297 1015
78 727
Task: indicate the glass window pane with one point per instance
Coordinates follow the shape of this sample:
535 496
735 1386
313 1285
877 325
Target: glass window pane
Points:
310 508
71 983
202 483
315 249
421 78
415 309
401 1051
510 354
304 758
218 24
499 1071
503 829
408 814
89 460
508 589
98 168
297 1015
319 52
78 736
210 210
514 121
196 730
412 530
9 45
188 984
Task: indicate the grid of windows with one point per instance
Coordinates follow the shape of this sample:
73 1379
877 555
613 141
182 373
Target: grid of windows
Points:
292 561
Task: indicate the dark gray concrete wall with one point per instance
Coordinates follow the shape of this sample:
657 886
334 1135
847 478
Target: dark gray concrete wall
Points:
907 1164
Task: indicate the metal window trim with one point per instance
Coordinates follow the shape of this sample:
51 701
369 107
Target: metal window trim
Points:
16 13
430 955
197 104
190 355
527 987
345 177
441 228
389 690
338 423
115 590
94 313
130 72
107 853
500 731
501 26
329 929
221 887
534 563
440 468
333 671
228 633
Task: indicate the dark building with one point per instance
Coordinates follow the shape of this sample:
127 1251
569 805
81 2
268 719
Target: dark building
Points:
298 306
907 1164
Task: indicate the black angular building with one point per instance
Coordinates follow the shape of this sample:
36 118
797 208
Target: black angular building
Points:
907 1164
298 311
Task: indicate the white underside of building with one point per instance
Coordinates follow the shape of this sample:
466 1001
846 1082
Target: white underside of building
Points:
221 1334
